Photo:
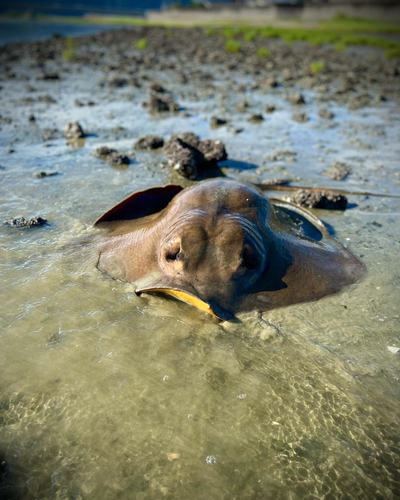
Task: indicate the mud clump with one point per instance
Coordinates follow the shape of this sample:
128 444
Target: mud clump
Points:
255 118
318 199
189 156
42 175
73 131
23 223
49 134
300 117
217 122
325 113
111 156
275 182
160 101
183 158
149 143
338 171
296 99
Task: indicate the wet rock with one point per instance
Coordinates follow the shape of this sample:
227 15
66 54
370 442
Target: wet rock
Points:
117 82
337 171
115 158
318 199
189 138
213 151
300 117
102 151
255 118
270 108
182 158
160 103
32 118
325 113
73 131
149 142
42 175
217 122
23 223
296 99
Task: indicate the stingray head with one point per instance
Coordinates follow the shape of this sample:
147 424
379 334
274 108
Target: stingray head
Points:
220 246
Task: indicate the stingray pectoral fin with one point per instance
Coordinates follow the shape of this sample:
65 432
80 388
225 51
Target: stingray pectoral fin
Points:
305 263
141 204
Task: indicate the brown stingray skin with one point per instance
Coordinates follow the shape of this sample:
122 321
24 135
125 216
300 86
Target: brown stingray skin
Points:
224 243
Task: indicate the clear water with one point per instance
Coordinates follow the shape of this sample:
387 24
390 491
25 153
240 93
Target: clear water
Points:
99 387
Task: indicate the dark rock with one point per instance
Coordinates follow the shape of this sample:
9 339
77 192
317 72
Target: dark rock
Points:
42 175
22 223
338 171
118 82
32 118
270 108
73 131
255 118
182 158
149 142
189 138
115 158
160 103
300 117
213 151
217 122
102 151
318 199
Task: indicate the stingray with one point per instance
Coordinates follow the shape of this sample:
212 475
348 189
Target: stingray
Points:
224 248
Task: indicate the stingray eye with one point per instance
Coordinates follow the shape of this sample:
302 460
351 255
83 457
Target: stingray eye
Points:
250 258
173 250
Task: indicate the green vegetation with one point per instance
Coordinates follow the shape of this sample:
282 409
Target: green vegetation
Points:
210 31
232 46
250 36
340 31
316 67
263 52
141 44
68 54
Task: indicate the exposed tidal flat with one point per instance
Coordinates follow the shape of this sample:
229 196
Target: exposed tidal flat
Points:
107 395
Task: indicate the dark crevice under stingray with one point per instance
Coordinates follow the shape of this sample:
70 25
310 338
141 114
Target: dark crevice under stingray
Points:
224 248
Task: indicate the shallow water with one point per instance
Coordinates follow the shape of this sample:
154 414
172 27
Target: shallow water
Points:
99 387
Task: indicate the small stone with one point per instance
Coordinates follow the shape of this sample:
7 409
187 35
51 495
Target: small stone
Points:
115 158
394 350
337 171
32 118
300 117
173 456
270 108
160 103
255 118
72 131
217 122
325 113
275 182
102 151
49 134
149 142
211 460
213 151
23 223
318 199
